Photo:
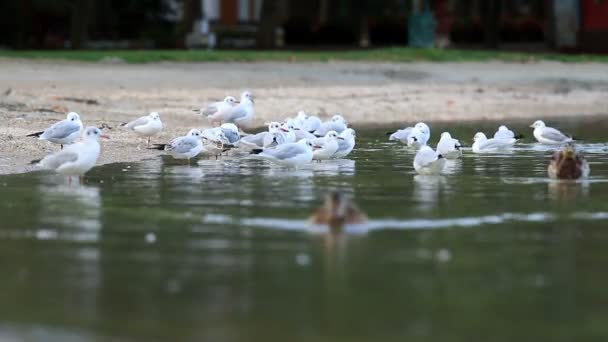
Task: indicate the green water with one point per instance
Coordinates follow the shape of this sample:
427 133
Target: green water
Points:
221 251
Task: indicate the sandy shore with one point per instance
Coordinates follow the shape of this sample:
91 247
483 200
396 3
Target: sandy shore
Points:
34 94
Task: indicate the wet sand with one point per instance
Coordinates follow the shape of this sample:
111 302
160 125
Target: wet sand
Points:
34 94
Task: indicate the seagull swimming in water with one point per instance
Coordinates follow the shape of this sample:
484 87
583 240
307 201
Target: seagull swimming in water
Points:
291 154
483 144
548 135
428 162
448 147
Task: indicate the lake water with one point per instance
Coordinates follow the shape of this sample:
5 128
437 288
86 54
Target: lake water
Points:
221 251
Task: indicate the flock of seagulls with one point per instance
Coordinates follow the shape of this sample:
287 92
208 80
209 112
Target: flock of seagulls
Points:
565 164
293 142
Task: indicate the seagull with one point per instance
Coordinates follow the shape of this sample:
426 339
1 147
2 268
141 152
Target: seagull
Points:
428 161
258 140
568 164
449 147
337 123
288 132
505 133
232 133
548 135
76 159
215 141
346 144
185 147
337 211
291 155
146 126
325 148
482 144
308 123
421 132
220 110
243 114
64 132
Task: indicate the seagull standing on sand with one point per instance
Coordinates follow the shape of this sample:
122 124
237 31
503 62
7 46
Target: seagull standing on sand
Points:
428 161
185 147
325 148
483 144
64 132
548 135
291 155
76 159
218 112
568 164
243 114
448 147
146 126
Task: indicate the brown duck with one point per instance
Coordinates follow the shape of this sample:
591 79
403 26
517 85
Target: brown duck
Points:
337 211
567 164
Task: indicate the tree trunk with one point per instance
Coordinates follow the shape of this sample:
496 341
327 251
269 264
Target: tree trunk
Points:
491 18
79 23
268 24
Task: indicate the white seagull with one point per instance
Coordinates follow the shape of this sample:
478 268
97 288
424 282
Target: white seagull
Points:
548 135
412 136
64 132
448 147
291 155
483 144
337 123
185 147
218 112
504 132
76 159
146 126
428 161
346 144
260 139
243 114
325 148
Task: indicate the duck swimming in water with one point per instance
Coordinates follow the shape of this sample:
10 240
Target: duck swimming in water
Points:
567 164
337 211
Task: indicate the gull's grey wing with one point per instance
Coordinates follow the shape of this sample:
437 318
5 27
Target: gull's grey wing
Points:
553 134
231 135
285 151
60 130
56 160
256 139
183 145
211 109
238 113
139 122
426 157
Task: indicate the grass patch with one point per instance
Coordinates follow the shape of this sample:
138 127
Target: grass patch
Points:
374 55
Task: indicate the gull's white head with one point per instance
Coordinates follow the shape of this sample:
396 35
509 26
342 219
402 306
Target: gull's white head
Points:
247 96
333 135
479 136
287 126
348 134
231 100
424 128
154 116
446 135
338 118
195 133
503 128
93 133
73 116
301 115
538 124
274 127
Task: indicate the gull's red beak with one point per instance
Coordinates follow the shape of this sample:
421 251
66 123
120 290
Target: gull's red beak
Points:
104 136
340 138
284 129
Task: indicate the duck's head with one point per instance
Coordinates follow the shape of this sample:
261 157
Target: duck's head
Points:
538 124
569 152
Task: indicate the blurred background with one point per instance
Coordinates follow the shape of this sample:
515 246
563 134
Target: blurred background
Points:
561 25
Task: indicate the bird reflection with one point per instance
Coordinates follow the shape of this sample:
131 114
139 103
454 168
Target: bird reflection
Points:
565 190
427 190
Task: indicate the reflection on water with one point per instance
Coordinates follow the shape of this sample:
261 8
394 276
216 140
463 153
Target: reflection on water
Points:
222 250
